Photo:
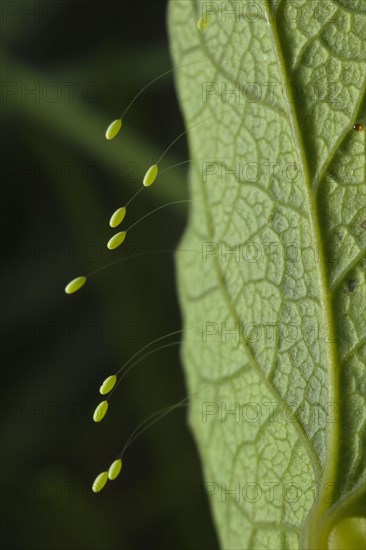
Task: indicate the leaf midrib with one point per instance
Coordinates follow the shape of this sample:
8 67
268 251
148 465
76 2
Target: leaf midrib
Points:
315 234
314 459
332 451
325 302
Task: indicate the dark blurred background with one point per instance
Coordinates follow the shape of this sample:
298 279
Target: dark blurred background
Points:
68 70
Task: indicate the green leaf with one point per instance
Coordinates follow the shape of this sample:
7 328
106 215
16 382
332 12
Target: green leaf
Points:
278 176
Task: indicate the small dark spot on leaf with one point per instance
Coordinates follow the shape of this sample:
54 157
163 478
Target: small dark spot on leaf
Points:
358 127
352 285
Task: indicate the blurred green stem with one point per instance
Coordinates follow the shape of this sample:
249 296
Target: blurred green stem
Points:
83 127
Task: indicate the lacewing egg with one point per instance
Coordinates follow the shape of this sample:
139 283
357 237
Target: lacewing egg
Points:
151 175
115 469
113 129
100 411
204 21
108 384
75 285
117 217
100 482
116 240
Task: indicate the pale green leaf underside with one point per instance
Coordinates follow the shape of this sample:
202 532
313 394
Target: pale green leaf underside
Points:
322 51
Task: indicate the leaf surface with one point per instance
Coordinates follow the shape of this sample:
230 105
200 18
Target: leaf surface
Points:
277 280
